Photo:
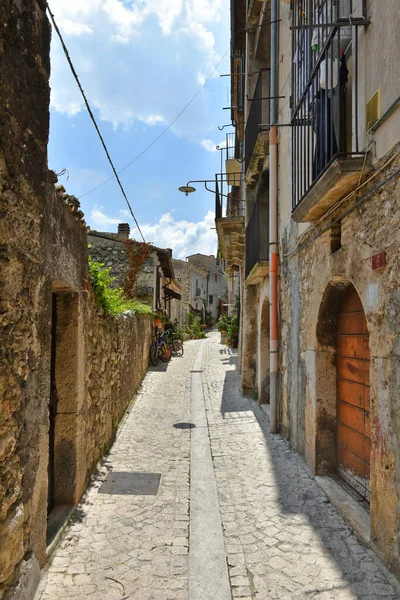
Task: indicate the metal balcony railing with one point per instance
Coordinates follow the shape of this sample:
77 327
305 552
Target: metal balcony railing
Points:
229 148
233 203
258 113
227 198
257 236
218 201
325 87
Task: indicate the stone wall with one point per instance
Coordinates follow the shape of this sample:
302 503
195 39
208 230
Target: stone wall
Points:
111 252
24 126
96 362
312 284
117 360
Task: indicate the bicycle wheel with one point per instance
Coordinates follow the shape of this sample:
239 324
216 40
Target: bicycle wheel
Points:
165 353
154 355
178 348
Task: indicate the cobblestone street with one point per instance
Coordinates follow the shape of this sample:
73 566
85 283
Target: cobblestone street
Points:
236 514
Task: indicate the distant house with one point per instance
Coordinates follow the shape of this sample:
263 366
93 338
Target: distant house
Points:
204 286
156 284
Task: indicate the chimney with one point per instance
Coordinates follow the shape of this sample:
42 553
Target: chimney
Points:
123 231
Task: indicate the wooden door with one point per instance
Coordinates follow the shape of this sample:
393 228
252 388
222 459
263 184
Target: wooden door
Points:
353 395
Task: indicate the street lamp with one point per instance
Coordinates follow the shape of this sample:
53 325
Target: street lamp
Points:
188 189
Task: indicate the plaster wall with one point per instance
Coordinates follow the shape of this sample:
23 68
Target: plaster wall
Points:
379 47
197 274
218 289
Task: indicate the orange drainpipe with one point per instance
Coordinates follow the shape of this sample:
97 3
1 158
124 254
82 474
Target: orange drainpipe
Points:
273 277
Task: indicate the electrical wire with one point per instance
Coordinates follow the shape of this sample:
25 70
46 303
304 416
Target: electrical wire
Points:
74 73
162 133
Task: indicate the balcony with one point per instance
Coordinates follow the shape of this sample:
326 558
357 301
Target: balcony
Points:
327 160
232 164
230 228
257 139
257 243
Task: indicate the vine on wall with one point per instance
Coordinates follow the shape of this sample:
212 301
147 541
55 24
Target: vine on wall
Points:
112 300
138 253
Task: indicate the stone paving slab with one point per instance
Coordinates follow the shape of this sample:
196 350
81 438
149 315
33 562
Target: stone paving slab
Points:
136 547
283 538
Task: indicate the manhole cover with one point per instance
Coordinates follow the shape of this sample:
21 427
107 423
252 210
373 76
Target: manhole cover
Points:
133 484
184 425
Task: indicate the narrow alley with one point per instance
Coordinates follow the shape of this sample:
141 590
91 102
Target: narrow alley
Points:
236 514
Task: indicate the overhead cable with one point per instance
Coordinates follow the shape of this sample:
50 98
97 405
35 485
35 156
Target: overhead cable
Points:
164 131
74 73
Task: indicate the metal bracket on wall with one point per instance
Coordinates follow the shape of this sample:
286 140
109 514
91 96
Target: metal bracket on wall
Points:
269 125
230 125
264 98
262 24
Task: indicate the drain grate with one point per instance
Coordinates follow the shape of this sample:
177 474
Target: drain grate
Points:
133 484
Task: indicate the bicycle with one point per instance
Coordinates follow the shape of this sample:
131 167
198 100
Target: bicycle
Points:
174 343
159 350
177 345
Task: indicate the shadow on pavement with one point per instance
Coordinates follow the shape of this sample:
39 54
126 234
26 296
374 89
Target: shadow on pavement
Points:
299 503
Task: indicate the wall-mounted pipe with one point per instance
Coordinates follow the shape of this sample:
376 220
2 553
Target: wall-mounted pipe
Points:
273 222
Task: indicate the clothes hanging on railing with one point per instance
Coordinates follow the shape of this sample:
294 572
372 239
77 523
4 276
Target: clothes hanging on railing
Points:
328 119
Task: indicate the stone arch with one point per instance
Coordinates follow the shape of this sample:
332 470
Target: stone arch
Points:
325 392
263 354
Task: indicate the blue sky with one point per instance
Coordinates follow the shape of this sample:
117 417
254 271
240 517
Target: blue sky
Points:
140 62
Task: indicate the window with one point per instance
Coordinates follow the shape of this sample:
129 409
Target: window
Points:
210 299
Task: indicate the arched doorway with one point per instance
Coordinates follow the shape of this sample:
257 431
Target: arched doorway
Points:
353 394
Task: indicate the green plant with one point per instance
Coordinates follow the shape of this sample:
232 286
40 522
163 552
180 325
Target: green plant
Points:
190 319
194 328
112 300
232 332
223 323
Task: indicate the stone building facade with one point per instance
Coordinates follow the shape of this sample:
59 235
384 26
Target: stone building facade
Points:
338 231
67 373
156 284
203 285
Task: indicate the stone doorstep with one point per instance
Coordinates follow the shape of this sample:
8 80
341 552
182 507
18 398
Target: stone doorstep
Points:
352 512
348 507
60 518
357 517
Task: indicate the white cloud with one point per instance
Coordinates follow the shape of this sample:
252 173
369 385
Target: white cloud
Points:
126 20
184 237
152 119
102 221
152 76
209 145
